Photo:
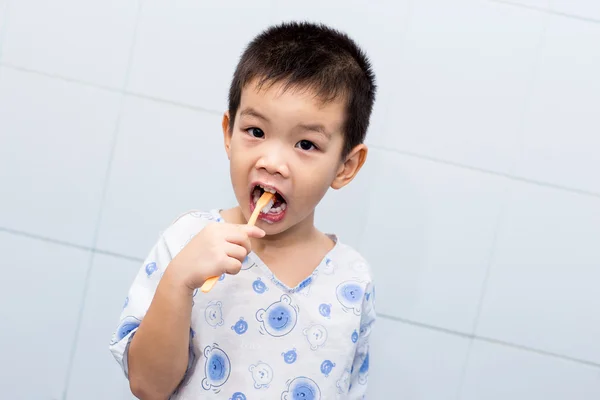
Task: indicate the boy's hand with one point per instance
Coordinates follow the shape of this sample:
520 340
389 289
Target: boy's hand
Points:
219 248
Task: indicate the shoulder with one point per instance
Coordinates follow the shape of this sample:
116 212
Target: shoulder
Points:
347 261
186 226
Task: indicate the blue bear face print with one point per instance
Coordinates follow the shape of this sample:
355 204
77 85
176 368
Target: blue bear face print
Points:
350 295
325 310
151 268
240 327
262 375
127 325
302 388
279 318
216 369
126 302
214 313
238 396
363 371
354 336
316 336
326 367
290 356
259 286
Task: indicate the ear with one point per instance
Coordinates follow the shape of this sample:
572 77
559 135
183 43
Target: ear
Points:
350 167
226 134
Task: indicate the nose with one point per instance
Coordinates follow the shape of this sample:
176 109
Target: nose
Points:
273 161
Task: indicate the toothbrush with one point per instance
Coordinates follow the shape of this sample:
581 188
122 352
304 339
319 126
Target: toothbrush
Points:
263 204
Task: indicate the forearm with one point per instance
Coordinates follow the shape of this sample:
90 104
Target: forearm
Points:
159 351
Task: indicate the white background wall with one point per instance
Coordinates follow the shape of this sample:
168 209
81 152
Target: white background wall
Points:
479 207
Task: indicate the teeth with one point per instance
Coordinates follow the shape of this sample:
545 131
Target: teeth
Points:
267 208
270 190
283 206
275 210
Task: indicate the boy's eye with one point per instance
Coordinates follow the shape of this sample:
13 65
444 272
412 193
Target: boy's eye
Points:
306 145
256 132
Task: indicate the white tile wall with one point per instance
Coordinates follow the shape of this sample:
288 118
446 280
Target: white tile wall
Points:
413 363
429 236
463 81
498 372
81 39
95 374
167 160
581 8
3 17
186 50
40 291
542 290
55 139
561 141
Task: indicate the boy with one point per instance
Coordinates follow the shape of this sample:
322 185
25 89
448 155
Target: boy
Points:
291 314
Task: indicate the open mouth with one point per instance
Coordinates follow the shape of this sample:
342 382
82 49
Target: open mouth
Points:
277 211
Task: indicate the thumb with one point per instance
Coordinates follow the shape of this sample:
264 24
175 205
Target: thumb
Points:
253 231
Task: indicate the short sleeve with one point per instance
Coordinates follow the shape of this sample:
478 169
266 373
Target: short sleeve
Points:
360 367
137 302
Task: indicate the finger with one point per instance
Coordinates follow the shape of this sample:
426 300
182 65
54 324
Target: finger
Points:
238 237
233 266
253 231
236 251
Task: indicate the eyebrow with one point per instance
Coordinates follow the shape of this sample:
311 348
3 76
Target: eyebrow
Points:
253 113
315 128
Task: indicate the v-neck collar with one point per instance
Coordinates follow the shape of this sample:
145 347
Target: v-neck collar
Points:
263 266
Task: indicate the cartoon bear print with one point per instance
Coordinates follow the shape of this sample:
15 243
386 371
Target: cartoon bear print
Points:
279 318
127 325
316 335
214 313
262 374
290 356
302 388
350 295
217 368
150 269
326 367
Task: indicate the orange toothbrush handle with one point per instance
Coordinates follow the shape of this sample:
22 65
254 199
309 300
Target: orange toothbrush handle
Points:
264 199
208 284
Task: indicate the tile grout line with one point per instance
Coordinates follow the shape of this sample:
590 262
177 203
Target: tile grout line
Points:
63 243
109 89
103 197
546 11
484 285
488 340
486 171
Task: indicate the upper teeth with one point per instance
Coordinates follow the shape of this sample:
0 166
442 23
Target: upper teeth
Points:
270 190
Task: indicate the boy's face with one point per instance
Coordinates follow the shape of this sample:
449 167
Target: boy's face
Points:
291 142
